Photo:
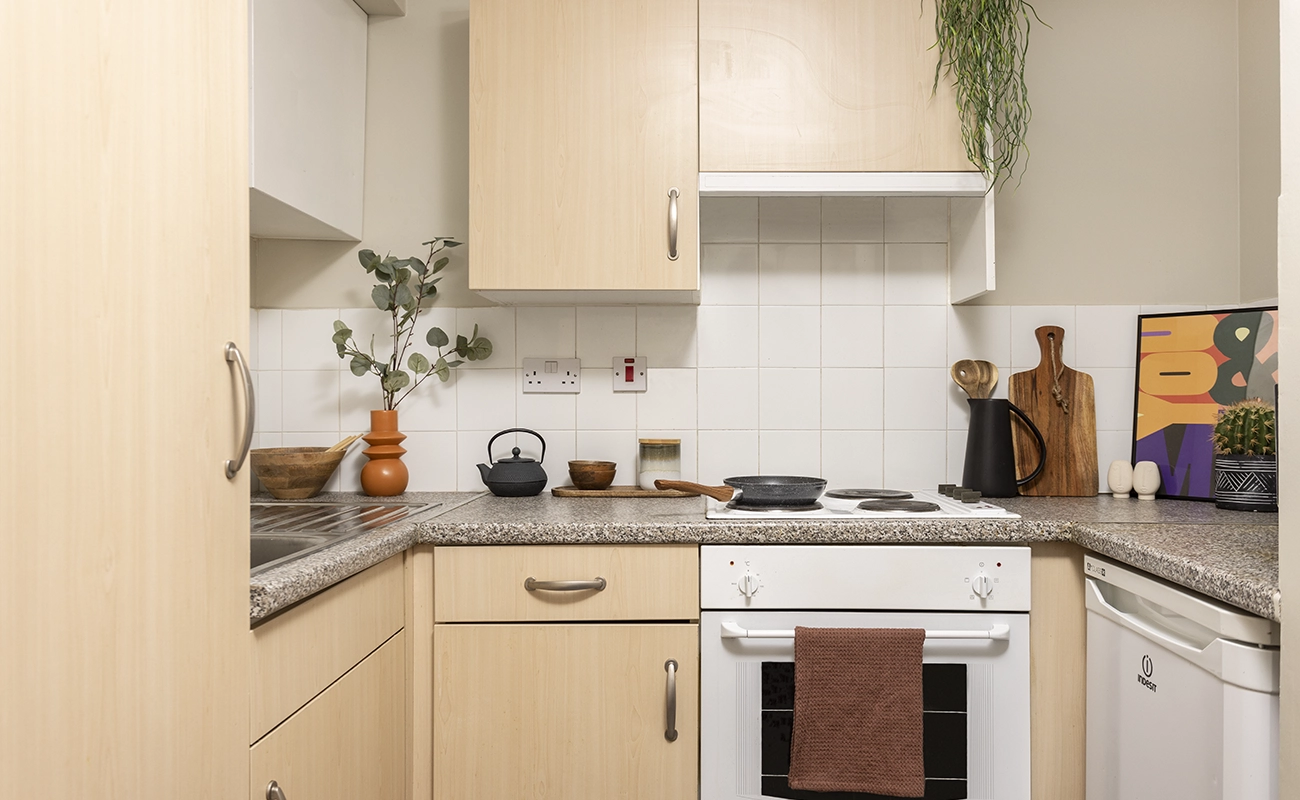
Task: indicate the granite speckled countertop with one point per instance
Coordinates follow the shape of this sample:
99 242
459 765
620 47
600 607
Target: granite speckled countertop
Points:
1228 555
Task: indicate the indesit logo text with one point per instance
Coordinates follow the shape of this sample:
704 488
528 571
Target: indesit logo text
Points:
1147 668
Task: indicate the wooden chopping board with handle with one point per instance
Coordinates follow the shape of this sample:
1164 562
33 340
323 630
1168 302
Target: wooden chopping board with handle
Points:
1061 403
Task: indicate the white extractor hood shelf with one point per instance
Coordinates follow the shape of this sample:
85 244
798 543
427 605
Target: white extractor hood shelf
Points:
886 184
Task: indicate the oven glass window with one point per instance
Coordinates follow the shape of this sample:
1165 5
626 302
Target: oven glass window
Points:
944 690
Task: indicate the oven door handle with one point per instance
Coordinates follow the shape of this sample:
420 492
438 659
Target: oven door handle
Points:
1000 631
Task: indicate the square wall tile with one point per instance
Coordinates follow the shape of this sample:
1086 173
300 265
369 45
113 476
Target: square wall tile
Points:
916 219
853 274
269 400
727 454
498 325
728 219
472 449
551 411
915 459
916 399
789 336
605 333
1025 352
729 274
853 459
485 399
789 219
1106 336
545 332
916 274
1111 446
852 336
789 399
431 459
852 399
617 446
956 456
310 400
982 333
853 219
1114 392
688 438
599 407
728 398
668 401
270 339
789 274
665 335
250 351
916 336
728 336
306 338
790 453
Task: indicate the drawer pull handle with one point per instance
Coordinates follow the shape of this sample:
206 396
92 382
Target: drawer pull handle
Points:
672 224
532 585
670 732
233 465
274 792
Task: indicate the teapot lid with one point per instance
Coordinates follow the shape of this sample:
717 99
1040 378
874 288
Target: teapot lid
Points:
515 458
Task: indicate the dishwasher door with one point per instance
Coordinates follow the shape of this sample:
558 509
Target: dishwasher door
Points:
1182 692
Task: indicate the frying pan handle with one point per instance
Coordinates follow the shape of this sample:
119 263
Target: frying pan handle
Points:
1042 445
719 493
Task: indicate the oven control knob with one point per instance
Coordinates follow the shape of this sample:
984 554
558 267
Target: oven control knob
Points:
981 585
748 584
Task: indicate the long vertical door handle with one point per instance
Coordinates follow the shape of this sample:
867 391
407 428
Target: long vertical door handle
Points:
232 354
672 224
670 730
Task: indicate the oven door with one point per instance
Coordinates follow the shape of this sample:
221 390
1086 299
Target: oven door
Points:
976 726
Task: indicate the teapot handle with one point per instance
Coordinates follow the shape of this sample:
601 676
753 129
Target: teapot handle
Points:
539 438
1042 446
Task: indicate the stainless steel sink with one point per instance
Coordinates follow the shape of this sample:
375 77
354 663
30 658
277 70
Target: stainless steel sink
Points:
282 532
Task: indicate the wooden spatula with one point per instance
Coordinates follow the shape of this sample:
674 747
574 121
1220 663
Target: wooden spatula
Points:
1060 402
977 378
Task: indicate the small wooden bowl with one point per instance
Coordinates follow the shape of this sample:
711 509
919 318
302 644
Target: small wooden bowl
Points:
592 474
294 473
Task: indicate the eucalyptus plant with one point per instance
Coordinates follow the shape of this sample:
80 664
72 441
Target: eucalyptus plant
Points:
404 286
982 47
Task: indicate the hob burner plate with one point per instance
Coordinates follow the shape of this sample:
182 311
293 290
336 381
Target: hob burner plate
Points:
869 494
909 506
735 505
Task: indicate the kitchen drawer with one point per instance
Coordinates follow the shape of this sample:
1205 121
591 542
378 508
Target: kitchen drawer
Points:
295 655
642 582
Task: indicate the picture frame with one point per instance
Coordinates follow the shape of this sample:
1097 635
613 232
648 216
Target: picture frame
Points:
1189 366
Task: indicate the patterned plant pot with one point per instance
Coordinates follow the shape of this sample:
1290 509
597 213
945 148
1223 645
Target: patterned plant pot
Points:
1245 483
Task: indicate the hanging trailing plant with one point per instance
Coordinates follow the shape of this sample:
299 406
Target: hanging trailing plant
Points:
982 46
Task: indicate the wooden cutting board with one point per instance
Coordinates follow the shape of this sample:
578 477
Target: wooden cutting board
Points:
1069 426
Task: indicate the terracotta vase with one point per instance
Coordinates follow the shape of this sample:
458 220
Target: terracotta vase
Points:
384 475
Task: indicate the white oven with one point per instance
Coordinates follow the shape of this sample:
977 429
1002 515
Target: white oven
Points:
973 602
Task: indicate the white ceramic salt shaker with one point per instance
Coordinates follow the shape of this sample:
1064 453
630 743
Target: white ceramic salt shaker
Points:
1146 479
1120 478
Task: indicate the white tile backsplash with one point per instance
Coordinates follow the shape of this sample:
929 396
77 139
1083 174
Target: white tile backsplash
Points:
823 350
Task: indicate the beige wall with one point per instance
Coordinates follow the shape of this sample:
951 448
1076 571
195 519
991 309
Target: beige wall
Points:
1257 37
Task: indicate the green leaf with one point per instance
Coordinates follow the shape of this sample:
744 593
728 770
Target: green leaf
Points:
360 365
439 264
402 275
368 259
339 326
462 345
479 349
437 337
418 363
417 265
404 297
455 363
474 335
428 289
395 380
341 336
384 270
383 297
342 348
441 369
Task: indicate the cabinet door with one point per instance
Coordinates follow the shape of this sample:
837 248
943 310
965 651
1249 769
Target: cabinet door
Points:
349 742
823 86
564 711
582 118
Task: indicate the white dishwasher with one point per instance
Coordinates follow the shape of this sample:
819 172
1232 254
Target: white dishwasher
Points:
1182 692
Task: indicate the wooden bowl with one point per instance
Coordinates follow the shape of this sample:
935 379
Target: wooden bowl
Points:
294 473
592 474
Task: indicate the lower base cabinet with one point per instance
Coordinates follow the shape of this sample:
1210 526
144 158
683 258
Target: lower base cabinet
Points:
564 711
348 742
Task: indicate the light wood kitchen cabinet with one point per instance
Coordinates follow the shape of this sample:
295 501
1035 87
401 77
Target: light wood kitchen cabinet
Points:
823 86
1058 637
569 709
583 120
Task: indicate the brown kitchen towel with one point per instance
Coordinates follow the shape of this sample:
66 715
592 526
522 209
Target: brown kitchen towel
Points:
857 711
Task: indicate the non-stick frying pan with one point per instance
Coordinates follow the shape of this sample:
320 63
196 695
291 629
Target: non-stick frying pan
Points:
758 490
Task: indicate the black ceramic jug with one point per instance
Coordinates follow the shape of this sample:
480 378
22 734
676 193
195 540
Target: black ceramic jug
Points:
990 458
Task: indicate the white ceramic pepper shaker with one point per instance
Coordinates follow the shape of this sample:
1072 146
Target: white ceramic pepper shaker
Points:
1146 479
1120 478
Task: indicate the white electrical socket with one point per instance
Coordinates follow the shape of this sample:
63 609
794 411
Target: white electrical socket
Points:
629 373
552 375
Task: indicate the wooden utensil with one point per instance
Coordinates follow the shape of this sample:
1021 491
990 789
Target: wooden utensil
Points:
977 378
720 493
1061 403
618 491
345 444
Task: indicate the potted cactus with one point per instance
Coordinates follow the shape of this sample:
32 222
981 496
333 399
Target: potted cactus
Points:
1245 457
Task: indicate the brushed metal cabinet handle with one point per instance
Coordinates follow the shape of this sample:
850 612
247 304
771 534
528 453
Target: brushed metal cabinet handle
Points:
532 584
670 730
672 224
233 465
274 792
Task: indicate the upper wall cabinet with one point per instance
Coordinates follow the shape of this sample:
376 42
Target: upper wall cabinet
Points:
583 150
823 86
308 99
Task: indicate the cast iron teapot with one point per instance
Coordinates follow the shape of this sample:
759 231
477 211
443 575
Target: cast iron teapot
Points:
514 476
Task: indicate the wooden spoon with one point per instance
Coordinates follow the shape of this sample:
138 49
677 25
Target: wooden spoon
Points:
345 444
720 493
977 378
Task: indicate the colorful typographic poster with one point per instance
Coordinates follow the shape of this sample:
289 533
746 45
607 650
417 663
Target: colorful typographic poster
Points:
1190 366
